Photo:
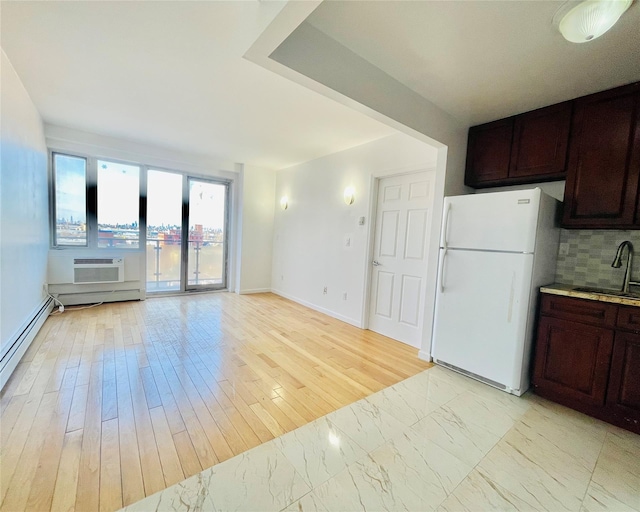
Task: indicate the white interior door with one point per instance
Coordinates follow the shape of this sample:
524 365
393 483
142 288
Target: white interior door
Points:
400 256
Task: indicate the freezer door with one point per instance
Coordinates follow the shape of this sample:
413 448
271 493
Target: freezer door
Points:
499 221
481 313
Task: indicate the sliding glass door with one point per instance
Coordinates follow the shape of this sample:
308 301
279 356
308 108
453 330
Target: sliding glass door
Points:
186 233
207 221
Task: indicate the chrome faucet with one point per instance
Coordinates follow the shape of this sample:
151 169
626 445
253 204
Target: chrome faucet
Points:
617 263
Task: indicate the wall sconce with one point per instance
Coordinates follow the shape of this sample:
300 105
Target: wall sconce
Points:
349 195
284 202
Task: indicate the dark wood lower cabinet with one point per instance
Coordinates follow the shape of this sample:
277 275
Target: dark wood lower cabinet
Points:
593 367
573 359
623 397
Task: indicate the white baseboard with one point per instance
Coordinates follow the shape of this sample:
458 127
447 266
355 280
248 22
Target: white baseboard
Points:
424 355
23 338
254 290
320 309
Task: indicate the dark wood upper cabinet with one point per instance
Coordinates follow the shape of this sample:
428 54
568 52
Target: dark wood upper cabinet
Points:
489 152
526 148
540 140
604 160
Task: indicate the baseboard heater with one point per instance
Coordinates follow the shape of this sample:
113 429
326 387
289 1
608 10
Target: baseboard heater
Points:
473 375
14 352
98 270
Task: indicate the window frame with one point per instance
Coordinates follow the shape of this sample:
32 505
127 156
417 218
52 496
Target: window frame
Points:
91 202
53 210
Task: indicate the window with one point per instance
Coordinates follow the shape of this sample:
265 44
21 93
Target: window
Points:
118 204
96 202
180 221
70 178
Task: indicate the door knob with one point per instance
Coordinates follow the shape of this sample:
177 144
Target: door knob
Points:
375 263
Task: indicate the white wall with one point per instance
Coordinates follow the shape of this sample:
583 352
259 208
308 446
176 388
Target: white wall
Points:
24 209
257 211
311 58
309 249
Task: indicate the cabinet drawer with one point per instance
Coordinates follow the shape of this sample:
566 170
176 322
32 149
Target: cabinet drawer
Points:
629 318
579 310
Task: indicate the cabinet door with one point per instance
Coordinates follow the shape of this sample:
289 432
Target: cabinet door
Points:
604 160
572 360
540 140
488 152
623 397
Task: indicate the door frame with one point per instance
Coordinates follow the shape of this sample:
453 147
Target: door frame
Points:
184 285
371 234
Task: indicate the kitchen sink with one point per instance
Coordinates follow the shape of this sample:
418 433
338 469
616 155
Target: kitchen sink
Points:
604 291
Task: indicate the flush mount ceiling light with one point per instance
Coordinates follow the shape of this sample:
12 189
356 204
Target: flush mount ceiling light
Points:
284 202
349 195
590 19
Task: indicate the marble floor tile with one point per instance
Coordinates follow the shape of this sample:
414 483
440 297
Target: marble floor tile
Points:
438 391
403 404
490 415
477 492
308 503
545 439
259 479
573 420
367 424
367 485
618 468
539 483
520 404
599 499
189 495
319 450
467 441
422 466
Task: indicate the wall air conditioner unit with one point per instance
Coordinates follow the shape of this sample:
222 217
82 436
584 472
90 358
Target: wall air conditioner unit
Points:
98 270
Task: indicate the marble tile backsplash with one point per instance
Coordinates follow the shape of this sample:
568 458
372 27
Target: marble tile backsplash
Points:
591 252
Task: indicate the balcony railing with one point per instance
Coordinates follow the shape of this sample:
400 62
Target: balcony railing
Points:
164 263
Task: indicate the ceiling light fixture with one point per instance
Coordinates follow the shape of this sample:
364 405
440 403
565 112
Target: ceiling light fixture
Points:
590 19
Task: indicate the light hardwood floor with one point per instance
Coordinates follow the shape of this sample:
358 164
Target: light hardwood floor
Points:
117 402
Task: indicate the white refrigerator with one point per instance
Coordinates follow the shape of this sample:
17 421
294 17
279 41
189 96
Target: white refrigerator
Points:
496 250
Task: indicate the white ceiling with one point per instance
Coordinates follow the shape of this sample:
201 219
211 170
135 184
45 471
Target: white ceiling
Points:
483 60
172 74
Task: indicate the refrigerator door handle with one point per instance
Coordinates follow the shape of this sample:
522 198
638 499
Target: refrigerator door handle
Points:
446 227
444 258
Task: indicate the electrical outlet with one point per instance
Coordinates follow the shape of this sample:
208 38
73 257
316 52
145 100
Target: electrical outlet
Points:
564 249
324 292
